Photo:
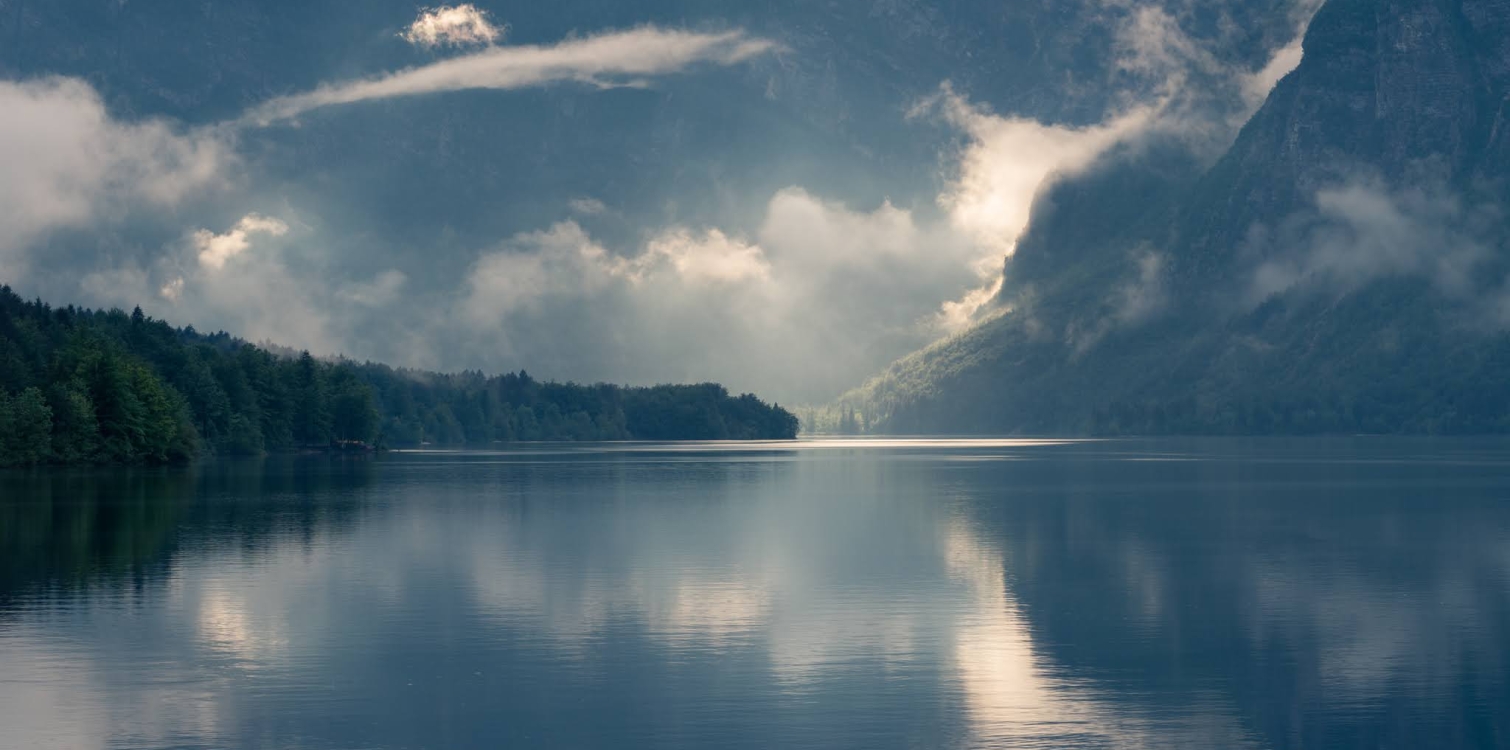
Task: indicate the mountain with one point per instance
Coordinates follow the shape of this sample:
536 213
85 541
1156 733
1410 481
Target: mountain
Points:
1341 268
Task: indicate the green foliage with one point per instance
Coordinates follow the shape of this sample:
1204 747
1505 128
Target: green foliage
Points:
85 386
25 428
421 408
839 418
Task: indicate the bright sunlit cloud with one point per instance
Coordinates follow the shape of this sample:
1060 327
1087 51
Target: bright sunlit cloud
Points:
215 249
453 25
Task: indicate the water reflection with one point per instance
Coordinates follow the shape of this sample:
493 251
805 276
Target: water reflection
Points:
982 594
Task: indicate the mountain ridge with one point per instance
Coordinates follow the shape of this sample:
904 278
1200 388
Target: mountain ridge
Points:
1341 267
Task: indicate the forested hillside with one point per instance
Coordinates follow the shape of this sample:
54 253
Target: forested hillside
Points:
91 386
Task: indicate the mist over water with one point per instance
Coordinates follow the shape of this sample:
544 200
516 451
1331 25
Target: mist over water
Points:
863 593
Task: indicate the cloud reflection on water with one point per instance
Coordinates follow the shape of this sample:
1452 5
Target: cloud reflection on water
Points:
1100 600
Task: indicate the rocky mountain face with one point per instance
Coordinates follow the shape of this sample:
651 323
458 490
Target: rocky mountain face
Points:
1397 90
1342 267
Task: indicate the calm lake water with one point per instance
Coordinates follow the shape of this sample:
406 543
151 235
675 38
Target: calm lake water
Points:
829 594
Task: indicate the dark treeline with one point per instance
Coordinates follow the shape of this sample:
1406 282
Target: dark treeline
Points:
93 386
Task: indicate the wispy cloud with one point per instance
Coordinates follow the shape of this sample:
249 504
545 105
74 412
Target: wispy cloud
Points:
1197 94
587 206
453 26
1142 296
608 59
1363 229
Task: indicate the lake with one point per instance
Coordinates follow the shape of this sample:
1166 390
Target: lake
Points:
817 594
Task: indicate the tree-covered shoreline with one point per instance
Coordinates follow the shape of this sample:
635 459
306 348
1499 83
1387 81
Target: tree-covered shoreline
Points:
102 386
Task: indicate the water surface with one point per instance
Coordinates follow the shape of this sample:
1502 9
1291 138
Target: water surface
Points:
828 594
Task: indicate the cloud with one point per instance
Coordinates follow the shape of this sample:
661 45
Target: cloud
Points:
383 290
996 177
172 290
1138 299
565 261
800 300
536 266
216 249
1146 294
607 59
813 301
68 163
1009 160
1197 95
1186 91
1363 230
1257 85
256 279
453 25
710 257
821 295
587 206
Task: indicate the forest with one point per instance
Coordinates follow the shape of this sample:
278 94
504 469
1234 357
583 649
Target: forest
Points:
104 386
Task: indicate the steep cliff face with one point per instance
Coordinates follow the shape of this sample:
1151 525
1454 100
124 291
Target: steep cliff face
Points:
1490 21
1388 90
1341 268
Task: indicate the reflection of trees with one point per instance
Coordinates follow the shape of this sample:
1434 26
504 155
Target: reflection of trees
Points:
1300 590
64 529
1194 604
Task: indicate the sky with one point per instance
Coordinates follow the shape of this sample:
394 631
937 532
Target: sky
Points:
783 199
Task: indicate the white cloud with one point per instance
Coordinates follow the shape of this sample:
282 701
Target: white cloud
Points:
1196 94
238 281
710 257
612 58
841 291
566 262
456 26
216 249
1154 44
172 290
1257 86
837 290
1006 163
1363 230
562 260
67 163
1009 160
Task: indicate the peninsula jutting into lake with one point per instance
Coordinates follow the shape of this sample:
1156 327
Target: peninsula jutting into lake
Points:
104 386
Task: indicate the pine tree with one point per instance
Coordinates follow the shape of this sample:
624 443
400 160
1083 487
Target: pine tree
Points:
312 410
